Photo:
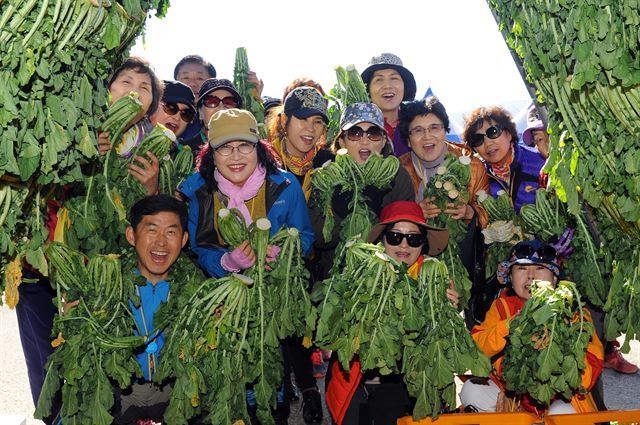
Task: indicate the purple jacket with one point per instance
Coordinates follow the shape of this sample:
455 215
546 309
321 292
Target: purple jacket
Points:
524 177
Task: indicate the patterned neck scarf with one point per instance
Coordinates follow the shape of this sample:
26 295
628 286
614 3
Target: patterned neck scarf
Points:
503 170
298 166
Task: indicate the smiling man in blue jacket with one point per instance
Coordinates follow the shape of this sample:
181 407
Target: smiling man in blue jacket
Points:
157 233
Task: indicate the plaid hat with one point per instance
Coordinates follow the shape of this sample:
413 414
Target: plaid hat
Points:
391 61
361 112
304 102
177 92
410 211
228 125
215 84
529 253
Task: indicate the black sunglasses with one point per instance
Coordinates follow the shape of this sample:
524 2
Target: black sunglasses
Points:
493 132
185 114
414 240
212 101
375 133
546 253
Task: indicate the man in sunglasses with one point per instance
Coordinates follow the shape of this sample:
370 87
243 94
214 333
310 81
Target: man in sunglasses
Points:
529 261
177 108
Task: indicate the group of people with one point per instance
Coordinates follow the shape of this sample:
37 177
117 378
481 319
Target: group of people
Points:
272 177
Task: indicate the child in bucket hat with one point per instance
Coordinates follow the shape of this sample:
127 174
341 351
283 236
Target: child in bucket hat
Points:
528 261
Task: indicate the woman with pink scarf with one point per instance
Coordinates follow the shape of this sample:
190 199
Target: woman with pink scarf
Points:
237 170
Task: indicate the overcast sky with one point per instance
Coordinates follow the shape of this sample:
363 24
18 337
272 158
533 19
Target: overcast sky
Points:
452 46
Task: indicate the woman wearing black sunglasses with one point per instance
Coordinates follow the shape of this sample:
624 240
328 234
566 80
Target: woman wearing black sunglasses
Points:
354 398
511 167
177 107
362 134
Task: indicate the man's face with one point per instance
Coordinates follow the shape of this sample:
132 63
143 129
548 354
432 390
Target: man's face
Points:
157 240
193 75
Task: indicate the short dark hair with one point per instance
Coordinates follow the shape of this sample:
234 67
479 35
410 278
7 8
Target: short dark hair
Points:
141 66
198 60
154 204
496 114
410 110
206 167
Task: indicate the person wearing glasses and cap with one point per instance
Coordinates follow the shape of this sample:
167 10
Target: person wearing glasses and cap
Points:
238 170
362 134
511 167
354 397
389 83
215 94
528 261
177 108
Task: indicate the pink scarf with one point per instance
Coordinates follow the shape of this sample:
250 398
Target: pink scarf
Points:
238 195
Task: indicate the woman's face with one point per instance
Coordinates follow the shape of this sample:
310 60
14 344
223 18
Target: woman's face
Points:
541 141
207 112
173 122
303 134
129 80
357 141
427 137
403 253
386 89
236 167
523 275
494 151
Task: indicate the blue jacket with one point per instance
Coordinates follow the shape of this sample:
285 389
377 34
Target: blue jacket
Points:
151 296
524 177
286 207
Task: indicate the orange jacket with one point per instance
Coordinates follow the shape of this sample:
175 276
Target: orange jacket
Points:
478 181
490 336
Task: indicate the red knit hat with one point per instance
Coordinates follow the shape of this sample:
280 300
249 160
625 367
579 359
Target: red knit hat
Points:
410 211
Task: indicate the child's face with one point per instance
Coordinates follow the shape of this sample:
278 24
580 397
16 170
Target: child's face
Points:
523 275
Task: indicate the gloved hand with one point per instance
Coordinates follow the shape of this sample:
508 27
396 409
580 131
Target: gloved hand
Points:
239 259
272 253
374 198
340 202
563 245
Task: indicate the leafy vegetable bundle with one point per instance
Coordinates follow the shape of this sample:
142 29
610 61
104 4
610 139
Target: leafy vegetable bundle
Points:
623 303
247 89
98 217
450 185
95 341
548 219
223 334
375 311
173 171
55 57
347 175
349 89
442 349
502 231
548 340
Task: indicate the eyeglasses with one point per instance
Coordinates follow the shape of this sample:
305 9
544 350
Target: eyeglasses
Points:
546 253
243 148
172 108
375 133
414 240
212 101
421 132
493 132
